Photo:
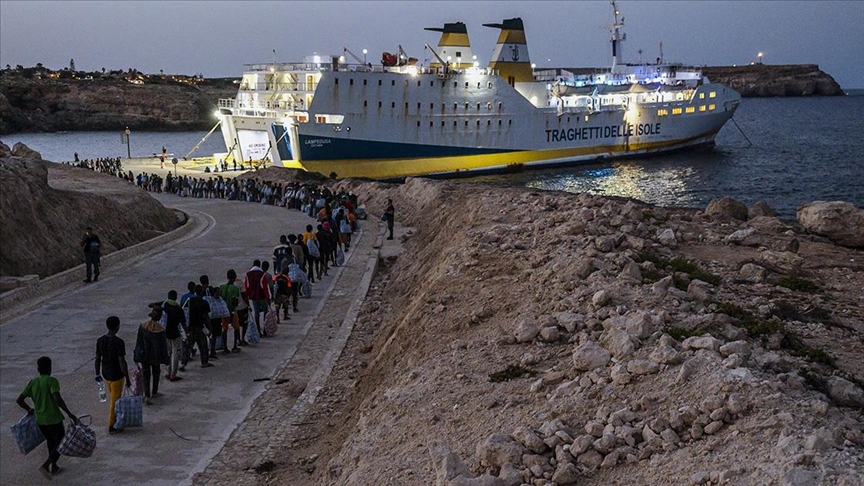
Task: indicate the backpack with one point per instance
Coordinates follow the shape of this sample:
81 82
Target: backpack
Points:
283 284
344 226
313 248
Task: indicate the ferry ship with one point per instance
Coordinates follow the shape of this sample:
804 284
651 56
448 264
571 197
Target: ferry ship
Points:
398 118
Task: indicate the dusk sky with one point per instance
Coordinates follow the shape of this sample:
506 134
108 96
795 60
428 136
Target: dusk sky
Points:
216 38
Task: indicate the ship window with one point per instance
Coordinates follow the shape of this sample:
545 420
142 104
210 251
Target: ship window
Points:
406 83
713 94
379 104
490 84
392 82
478 123
365 103
458 54
455 106
351 81
454 123
676 111
418 106
418 123
431 106
336 81
406 105
509 122
393 104
701 96
488 105
500 106
418 83
660 112
488 123
379 82
466 84
455 84
364 82
586 116
478 85
442 123
701 107
711 107
466 106
568 119
466 123
478 106
431 124
690 109
431 84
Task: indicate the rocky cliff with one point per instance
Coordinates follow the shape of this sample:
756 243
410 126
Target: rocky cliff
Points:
780 80
44 105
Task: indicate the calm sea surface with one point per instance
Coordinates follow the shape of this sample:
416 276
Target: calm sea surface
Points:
803 149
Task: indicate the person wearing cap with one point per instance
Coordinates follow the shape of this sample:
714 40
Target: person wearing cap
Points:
90 244
151 351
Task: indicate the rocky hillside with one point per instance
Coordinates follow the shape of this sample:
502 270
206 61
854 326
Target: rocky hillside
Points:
545 338
44 105
45 208
767 80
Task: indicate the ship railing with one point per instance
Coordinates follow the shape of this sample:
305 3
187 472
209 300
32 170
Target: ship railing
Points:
259 105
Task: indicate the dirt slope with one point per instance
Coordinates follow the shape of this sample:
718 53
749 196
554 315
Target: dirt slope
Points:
635 370
45 208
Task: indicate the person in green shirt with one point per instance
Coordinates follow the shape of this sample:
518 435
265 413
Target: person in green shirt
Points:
44 391
231 295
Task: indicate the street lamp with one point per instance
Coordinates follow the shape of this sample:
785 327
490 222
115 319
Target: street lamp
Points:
128 148
760 57
364 55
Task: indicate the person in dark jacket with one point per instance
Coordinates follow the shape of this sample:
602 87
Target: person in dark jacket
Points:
199 320
151 350
174 320
91 246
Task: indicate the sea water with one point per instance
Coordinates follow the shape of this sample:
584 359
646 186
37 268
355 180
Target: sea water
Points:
788 151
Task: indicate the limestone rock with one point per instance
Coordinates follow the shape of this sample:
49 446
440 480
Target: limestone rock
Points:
569 321
591 459
589 356
25 152
799 476
736 347
753 273
549 334
667 238
604 444
780 261
701 342
604 244
529 439
447 464
727 207
527 330
761 208
641 324
498 449
565 474
839 221
642 367
744 237
510 475
600 298
550 427
665 354
5 151
610 460
581 444
620 343
844 392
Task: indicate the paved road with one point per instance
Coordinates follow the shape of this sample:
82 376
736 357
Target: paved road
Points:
190 422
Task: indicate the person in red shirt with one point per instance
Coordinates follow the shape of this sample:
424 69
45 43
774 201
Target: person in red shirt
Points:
257 292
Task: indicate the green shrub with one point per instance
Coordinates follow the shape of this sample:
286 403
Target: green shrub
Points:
785 310
797 347
681 334
510 373
752 324
797 284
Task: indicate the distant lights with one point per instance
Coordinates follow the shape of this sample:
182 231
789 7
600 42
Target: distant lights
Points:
216 113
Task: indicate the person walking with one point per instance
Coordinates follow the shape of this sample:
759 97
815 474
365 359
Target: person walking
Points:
151 350
44 391
282 284
280 252
111 366
242 310
199 319
257 291
91 246
174 320
390 217
231 295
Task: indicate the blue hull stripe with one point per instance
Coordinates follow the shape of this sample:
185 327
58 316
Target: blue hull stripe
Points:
327 148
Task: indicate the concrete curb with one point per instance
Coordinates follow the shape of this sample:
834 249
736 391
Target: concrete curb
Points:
35 292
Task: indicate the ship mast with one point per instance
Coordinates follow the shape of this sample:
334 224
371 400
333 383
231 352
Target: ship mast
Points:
617 37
